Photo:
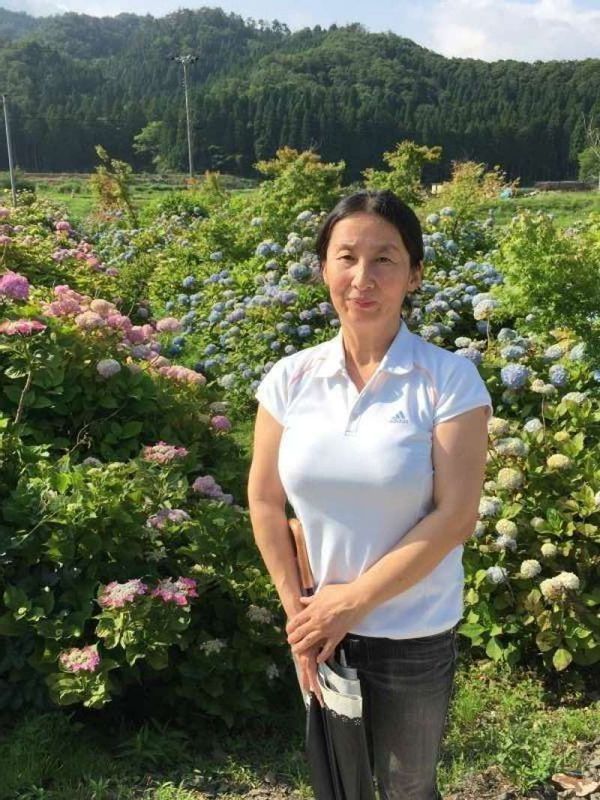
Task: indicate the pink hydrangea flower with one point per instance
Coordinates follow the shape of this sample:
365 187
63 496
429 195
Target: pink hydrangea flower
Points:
63 226
164 515
221 423
163 453
14 286
89 320
5 240
21 327
102 307
63 291
175 591
80 659
183 374
119 321
62 308
116 595
4 212
112 271
207 486
168 324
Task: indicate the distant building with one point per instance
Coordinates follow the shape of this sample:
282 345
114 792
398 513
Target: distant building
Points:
564 186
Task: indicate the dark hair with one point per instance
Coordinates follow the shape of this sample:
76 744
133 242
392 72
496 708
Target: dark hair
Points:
387 205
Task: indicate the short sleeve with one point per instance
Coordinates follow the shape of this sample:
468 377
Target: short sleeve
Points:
462 390
271 392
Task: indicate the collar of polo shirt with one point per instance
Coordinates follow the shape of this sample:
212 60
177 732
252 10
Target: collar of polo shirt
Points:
398 358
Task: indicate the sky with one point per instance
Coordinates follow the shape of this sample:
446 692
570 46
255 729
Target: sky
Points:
526 30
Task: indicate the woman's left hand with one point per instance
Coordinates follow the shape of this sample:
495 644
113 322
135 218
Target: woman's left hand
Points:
328 616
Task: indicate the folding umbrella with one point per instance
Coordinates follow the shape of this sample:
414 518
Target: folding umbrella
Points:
335 737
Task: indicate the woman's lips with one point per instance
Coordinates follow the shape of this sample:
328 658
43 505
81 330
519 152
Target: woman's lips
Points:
364 303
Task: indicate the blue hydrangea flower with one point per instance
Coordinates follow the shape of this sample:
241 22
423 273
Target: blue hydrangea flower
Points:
451 246
304 330
169 305
432 219
325 308
288 297
506 335
553 352
512 352
299 272
276 345
471 353
289 349
428 254
304 216
447 212
210 349
514 375
596 375
558 375
577 353
438 237
188 282
216 256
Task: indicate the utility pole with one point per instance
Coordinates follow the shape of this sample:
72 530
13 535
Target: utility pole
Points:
9 150
185 61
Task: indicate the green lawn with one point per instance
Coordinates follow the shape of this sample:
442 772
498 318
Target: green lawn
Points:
525 725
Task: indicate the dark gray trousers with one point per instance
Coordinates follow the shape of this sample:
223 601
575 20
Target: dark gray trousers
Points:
406 686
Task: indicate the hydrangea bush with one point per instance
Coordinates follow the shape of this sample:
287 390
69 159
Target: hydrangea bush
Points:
126 553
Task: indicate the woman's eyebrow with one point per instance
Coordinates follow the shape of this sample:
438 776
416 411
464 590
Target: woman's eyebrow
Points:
350 245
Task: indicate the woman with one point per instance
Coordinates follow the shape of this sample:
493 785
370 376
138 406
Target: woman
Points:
378 439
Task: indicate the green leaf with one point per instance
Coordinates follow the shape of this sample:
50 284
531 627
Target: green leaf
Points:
561 658
131 429
493 649
471 629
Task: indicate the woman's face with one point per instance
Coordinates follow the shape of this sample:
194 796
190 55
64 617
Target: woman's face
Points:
367 260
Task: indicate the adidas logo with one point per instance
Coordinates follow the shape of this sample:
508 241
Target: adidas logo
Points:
399 416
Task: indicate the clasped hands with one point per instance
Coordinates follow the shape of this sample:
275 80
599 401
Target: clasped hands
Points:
326 619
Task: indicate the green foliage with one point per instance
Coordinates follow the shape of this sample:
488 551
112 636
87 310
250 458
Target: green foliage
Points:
589 164
111 183
470 188
150 141
553 273
404 176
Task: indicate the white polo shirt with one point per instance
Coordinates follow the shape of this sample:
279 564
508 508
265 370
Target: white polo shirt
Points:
357 467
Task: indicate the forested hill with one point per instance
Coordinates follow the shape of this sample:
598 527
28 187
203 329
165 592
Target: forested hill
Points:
75 81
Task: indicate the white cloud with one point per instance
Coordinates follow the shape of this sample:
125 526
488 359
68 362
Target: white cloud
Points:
492 30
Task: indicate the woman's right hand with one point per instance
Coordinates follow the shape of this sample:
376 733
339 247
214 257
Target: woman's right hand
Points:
307 663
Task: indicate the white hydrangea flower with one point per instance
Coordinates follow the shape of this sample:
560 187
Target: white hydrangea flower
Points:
575 397
561 436
485 308
530 568
558 461
272 671
490 486
498 427
597 499
537 523
496 574
480 529
512 446
568 580
551 589
506 527
489 506
537 385
533 425
509 478
213 646
549 550
259 614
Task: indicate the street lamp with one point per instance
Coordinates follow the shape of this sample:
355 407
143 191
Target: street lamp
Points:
11 170
185 61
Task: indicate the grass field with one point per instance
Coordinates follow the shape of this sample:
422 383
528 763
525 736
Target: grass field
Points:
73 192
523 726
